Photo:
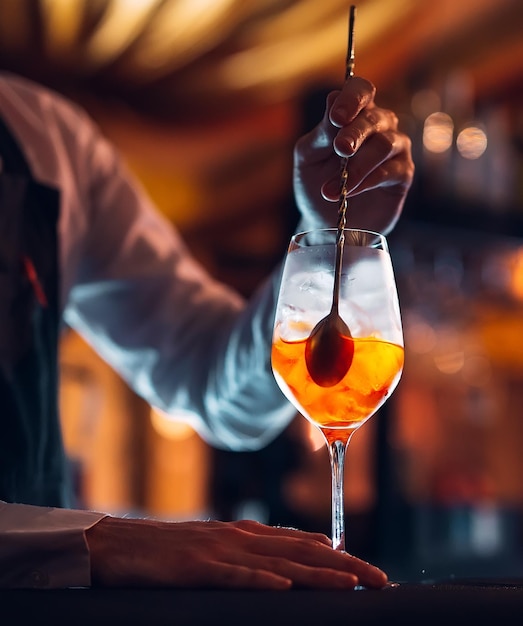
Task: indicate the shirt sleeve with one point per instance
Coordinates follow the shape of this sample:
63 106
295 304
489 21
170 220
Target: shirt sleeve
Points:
43 547
188 344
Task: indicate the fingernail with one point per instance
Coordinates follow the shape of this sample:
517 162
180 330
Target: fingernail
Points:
339 116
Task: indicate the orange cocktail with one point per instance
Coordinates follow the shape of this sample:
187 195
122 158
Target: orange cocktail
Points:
375 370
339 376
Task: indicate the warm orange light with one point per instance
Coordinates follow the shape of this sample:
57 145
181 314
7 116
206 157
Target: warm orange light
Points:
316 439
421 337
516 281
169 428
471 142
438 132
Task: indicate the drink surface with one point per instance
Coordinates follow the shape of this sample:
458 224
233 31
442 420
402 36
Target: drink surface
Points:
374 373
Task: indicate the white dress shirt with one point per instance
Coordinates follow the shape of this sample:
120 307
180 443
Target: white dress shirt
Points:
186 343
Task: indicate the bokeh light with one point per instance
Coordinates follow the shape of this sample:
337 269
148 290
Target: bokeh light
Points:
471 142
438 132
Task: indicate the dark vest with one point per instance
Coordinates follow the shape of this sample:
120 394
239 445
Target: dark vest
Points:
32 460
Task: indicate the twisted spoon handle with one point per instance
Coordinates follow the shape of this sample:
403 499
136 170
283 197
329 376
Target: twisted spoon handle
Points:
342 213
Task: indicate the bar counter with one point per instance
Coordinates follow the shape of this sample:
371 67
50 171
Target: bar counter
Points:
443 603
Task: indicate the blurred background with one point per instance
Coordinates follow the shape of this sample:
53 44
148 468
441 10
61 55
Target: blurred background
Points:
205 99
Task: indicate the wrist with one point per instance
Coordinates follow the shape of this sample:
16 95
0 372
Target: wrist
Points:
105 541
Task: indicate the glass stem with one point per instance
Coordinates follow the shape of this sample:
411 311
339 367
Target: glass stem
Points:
337 450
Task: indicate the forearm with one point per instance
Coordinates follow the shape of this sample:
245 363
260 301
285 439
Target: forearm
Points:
199 353
249 408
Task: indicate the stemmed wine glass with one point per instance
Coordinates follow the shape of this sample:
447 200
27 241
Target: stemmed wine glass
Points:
372 345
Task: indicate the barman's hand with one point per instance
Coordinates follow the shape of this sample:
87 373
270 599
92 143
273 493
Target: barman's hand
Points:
380 163
226 555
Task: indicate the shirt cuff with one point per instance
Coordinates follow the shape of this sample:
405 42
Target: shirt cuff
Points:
43 547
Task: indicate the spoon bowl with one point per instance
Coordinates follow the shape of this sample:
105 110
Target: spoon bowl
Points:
329 350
